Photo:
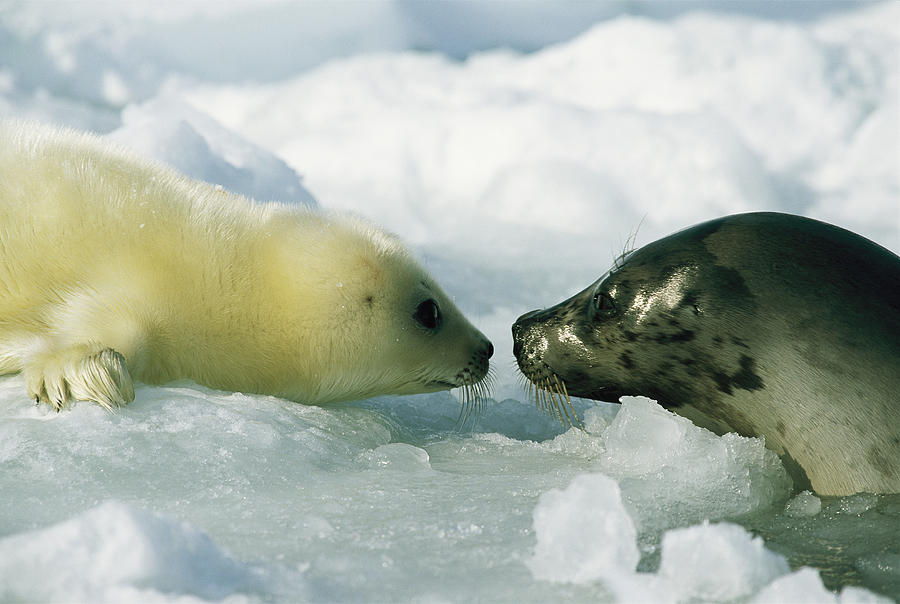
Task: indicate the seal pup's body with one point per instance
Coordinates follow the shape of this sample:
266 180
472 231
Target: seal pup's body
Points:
113 268
765 324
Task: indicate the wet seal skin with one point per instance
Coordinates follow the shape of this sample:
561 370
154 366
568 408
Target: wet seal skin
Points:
765 324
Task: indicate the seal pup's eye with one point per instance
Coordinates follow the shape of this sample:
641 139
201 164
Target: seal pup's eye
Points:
428 315
604 304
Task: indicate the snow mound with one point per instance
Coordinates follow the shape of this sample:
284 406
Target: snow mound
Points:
200 147
116 552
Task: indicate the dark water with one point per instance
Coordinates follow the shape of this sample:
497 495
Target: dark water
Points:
854 540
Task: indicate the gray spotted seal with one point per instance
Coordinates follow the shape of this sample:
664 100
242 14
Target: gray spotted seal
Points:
114 269
766 324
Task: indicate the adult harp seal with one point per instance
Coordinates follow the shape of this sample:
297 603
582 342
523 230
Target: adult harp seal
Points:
766 324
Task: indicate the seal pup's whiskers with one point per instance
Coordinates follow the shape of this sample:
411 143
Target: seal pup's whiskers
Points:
473 397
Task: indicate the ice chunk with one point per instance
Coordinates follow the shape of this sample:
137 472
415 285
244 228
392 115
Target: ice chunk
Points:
717 562
583 532
643 436
397 456
596 419
804 504
673 473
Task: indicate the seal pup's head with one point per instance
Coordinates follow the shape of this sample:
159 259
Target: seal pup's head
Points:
367 319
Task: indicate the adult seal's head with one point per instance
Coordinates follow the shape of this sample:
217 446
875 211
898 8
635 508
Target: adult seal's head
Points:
766 324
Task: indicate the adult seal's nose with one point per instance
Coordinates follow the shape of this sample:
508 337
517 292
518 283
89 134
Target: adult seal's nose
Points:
523 322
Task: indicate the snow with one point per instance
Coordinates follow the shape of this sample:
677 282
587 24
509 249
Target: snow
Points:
117 552
189 140
518 148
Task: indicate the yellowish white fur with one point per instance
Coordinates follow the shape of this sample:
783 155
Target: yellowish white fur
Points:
115 269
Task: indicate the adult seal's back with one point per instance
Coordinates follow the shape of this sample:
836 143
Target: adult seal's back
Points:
766 324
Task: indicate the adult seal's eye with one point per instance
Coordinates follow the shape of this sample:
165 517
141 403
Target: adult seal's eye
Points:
604 305
428 315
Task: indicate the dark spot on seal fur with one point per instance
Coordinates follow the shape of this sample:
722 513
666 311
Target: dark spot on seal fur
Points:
664 369
630 335
577 377
723 382
881 462
685 335
730 285
690 366
745 378
739 342
370 300
626 360
780 427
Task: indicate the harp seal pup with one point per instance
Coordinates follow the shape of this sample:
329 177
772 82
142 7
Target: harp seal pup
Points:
114 269
765 324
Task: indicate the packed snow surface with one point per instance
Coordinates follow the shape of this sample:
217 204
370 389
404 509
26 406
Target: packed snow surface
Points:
518 149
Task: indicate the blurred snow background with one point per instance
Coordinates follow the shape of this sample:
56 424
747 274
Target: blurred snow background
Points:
516 146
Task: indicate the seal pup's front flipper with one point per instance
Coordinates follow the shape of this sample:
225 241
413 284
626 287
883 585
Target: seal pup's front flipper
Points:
86 372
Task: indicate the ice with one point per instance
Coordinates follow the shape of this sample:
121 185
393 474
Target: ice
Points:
519 149
719 562
398 456
666 464
803 504
116 552
583 532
